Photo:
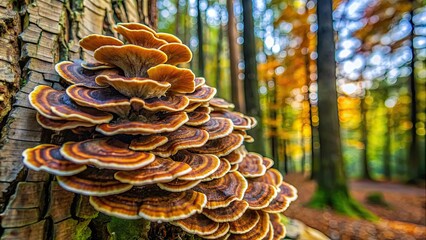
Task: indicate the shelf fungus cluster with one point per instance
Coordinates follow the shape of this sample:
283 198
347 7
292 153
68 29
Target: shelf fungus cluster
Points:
158 145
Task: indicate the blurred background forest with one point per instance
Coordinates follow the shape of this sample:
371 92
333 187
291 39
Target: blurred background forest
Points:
375 45
267 66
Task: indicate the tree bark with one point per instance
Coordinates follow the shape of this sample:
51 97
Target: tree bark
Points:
387 156
251 87
332 188
32 204
200 41
414 167
364 139
218 59
234 58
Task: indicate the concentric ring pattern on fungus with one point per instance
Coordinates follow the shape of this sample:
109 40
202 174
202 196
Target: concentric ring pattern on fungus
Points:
155 143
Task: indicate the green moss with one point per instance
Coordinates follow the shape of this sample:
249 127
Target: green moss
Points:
340 202
376 198
283 219
122 229
82 231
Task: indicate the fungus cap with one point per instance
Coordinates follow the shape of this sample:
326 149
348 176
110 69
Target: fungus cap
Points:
93 182
227 214
170 103
178 185
170 38
56 105
48 158
104 99
140 37
199 116
222 191
136 26
267 162
192 106
199 82
241 122
245 223
236 156
176 53
133 60
220 232
221 146
259 195
134 86
218 127
160 170
272 177
259 231
281 202
203 165
252 165
160 123
278 228
224 168
182 138
60 125
181 79
148 142
95 41
198 224
202 94
234 168
106 153
152 203
220 103
74 73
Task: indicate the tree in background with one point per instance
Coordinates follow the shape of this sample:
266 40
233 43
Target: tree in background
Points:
251 87
200 40
234 57
331 178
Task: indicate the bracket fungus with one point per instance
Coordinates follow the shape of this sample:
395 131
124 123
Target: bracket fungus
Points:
151 141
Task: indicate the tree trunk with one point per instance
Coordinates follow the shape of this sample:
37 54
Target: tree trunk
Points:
218 59
331 178
414 166
274 123
251 87
32 204
200 41
387 156
234 58
364 139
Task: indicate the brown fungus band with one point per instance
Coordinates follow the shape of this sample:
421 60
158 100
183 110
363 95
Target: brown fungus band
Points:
152 141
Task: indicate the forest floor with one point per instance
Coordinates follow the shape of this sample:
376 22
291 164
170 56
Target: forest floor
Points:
402 213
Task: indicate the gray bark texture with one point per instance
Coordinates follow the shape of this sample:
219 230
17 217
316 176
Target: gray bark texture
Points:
34 36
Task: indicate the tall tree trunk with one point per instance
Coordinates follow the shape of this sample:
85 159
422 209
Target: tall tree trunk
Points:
200 41
387 156
237 88
414 166
218 59
251 87
177 20
32 204
365 174
331 178
274 124
285 155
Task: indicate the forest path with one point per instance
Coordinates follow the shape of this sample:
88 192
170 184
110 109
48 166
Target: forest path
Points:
402 218
387 187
